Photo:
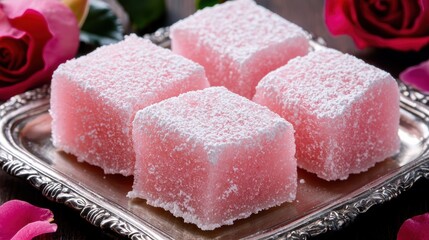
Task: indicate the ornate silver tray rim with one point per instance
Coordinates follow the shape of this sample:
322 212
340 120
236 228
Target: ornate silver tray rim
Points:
110 217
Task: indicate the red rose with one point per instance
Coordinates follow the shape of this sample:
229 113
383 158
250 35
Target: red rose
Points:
35 37
396 24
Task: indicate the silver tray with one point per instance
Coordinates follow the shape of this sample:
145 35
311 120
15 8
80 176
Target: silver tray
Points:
26 152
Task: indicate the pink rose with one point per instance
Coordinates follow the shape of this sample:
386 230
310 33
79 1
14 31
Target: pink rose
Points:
35 37
20 221
396 24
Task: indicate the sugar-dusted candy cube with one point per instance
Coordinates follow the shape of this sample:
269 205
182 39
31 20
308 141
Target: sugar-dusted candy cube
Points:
345 112
212 156
238 43
94 98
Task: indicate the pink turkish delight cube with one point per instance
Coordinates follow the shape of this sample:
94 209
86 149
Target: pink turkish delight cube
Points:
212 156
238 43
344 111
94 98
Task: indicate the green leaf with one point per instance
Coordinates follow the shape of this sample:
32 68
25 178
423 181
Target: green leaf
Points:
200 4
101 26
143 12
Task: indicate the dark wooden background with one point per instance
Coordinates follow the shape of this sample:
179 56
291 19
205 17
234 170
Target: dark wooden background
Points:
380 222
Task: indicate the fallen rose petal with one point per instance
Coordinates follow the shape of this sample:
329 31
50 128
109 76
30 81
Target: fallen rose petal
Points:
20 220
417 76
415 228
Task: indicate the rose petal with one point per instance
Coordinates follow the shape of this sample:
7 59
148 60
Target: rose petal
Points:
363 40
7 31
335 16
21 220
419 27
386 24
33 19
34 229
63 26
411 10
417 76
415 228
340 18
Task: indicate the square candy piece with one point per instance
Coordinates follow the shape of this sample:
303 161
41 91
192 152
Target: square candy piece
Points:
212 156
94 98
344 111
238 43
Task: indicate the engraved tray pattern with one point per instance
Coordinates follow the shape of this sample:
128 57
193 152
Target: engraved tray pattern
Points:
110 216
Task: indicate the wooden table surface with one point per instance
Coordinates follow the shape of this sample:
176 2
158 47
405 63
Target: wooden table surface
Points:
380 222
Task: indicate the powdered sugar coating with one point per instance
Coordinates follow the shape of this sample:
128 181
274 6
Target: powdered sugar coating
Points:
129 71
238 29
212 157
215 118
327 82
238 42
345 112
94 98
